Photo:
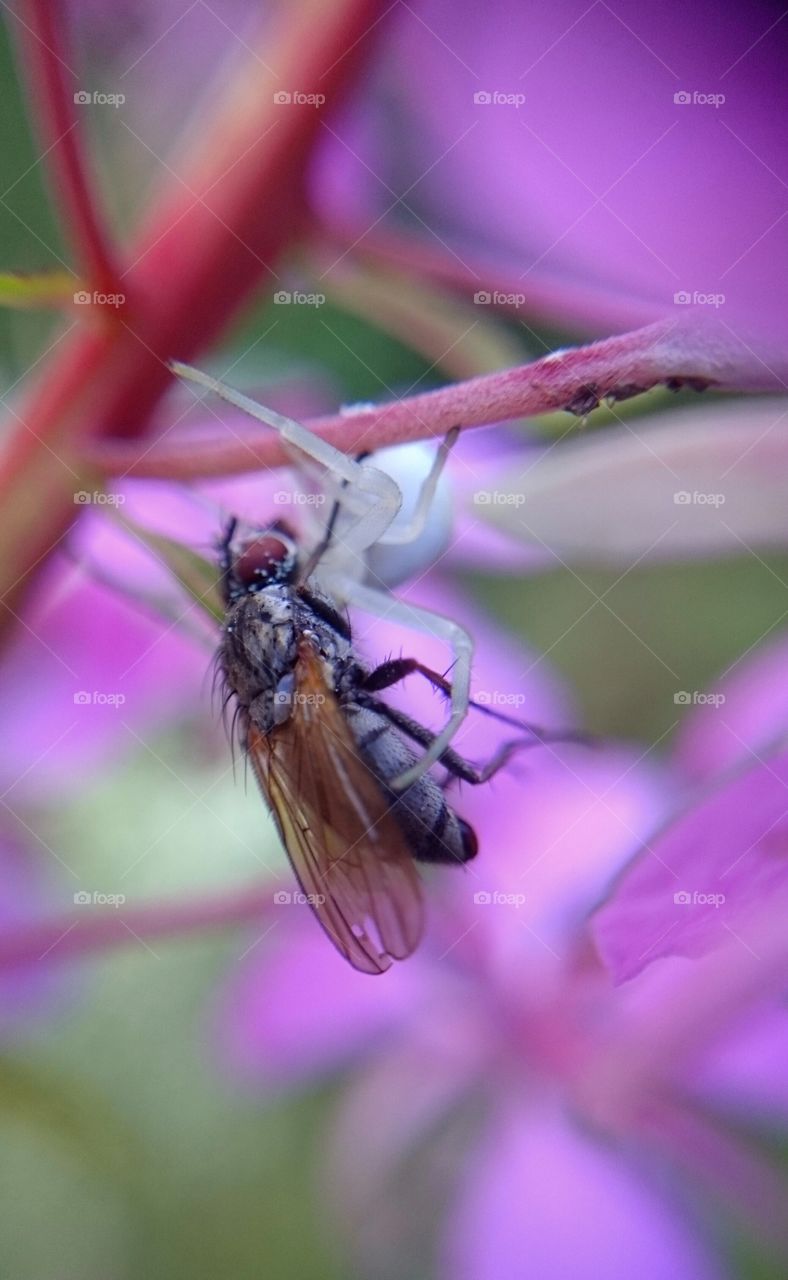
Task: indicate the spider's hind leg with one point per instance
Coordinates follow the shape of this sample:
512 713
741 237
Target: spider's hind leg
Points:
455 765
452 634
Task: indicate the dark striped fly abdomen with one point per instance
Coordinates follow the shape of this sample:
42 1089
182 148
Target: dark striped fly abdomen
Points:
434 831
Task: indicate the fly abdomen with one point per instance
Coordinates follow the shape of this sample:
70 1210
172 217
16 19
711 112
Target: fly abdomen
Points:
434 831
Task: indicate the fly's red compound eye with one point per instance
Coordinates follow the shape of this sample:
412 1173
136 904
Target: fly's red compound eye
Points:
263 561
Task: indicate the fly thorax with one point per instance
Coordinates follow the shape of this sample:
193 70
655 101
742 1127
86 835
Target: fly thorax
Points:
328 635
259 653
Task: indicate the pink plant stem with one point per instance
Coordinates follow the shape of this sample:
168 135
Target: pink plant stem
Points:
52 97
89 930
201 253
673 352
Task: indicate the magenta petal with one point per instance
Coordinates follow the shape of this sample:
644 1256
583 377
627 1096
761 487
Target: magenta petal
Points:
599 173
748 713
557 836
698 882
103 667
746 1071
543 1200
83 675
481 458
296 1008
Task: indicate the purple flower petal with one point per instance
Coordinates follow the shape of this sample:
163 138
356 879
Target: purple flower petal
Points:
747 1070
84 665
299 1009
598 173
543 1199
700 880
475 469
554 839
746 714
87 662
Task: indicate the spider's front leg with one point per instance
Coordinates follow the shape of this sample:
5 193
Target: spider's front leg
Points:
367 489
452 634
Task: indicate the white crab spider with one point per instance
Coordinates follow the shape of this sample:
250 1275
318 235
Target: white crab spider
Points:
369 522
